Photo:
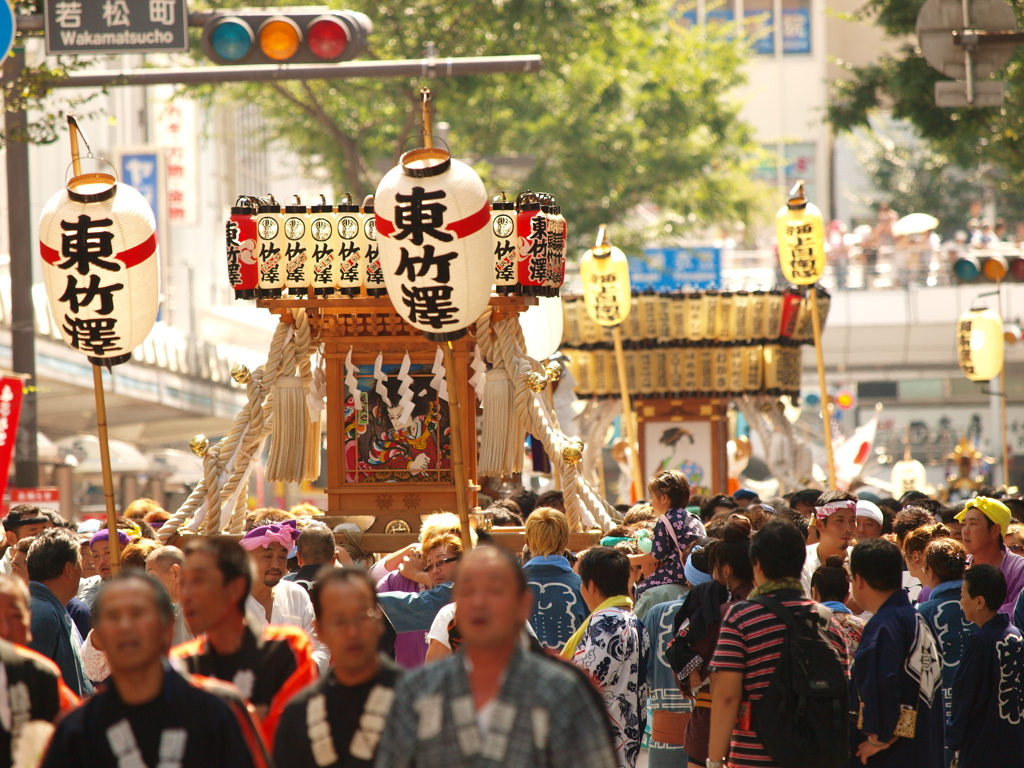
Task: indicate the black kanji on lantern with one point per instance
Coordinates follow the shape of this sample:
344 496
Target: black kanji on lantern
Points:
296 261
430 304
322 255
92 334
82 297
86 243
234 247
419 218
270 261
429 260
504 260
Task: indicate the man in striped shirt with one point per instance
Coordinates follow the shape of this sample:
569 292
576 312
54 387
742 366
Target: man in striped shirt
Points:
750 644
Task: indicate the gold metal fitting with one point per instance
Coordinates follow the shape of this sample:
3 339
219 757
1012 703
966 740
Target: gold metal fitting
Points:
554 370
241 374
200 445
537 381
572 454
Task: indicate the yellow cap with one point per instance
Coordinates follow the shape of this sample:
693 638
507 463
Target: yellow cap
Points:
994 510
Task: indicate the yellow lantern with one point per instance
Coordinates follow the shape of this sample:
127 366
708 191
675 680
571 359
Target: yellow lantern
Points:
605 274
979 344
801 235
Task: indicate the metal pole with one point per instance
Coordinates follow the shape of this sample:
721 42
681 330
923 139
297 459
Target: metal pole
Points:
826 416
429 67
23 332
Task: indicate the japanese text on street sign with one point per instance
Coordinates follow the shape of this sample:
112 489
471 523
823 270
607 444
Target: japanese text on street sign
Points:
116 26
669 269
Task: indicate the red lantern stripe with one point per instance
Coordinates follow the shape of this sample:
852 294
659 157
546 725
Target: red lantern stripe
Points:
130 258
472 223
462 228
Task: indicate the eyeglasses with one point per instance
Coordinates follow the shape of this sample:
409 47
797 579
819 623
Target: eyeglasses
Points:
357 621
438 564
1017 548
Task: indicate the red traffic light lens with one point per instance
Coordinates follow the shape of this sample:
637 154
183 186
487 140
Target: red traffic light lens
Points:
327 38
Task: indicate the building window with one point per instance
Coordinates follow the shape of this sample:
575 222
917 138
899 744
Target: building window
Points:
796 27
758 18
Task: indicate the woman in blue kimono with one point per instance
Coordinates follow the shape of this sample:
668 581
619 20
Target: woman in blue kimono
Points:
944 564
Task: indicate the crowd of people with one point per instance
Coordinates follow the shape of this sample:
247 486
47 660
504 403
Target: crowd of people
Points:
816 630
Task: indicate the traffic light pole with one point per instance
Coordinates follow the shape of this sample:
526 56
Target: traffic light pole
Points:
23 338
428 67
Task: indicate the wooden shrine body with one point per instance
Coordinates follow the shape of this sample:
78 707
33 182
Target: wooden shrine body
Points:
688 430
369 326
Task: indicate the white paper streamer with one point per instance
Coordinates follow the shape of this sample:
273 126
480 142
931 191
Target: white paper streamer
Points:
351 382
382 381
405 404
438 381
479 378
316 398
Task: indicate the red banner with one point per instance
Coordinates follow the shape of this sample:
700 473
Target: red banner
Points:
10 411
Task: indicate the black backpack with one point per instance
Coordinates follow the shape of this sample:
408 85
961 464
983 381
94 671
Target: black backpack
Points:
804 715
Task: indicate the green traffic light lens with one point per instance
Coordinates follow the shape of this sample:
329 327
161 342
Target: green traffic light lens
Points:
232 40
966 269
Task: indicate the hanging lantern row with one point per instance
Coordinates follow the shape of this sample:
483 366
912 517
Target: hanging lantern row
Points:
707 370
274 250
529 245
685 319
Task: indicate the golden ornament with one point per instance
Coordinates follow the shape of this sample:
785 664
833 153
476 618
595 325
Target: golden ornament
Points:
397 526
572 454
200 445
537 381
554 370
241 374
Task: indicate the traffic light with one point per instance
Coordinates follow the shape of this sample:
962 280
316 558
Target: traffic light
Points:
285 36
989 268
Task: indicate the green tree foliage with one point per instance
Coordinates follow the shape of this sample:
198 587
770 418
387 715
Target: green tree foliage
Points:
31 88
629 108
903 82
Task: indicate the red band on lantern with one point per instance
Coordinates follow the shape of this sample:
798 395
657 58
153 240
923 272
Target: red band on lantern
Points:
130 258
471 224
385 228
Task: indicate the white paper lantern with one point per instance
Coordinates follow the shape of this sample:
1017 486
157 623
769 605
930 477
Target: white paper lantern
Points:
542 326
433 230
97 239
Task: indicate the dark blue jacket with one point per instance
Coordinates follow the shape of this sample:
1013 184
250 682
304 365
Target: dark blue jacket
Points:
558 606
53 635
987 724
898 663
946 618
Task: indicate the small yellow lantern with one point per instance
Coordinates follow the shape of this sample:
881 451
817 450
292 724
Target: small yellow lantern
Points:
605 273
801 235
979 344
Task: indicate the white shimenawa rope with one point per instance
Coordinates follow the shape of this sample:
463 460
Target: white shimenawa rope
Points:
228 463
502 343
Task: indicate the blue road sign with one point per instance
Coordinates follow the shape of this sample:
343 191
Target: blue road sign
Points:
6 28
142 171
669 269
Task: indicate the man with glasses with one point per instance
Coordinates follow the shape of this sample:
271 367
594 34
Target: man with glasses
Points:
338 721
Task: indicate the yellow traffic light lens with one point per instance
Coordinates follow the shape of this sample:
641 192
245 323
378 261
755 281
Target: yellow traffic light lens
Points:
280 39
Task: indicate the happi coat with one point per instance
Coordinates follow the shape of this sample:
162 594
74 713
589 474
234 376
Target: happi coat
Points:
544 717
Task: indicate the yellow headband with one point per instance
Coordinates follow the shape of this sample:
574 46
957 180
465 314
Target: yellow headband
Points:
994 510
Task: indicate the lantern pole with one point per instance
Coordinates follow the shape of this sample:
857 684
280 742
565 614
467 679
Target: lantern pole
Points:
627 414
97 385
458 464
826 415
1003 453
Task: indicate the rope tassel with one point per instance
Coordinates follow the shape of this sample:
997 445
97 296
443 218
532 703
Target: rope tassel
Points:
501 439
287 457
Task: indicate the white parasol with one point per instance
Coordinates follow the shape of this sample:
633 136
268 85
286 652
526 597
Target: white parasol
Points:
914 224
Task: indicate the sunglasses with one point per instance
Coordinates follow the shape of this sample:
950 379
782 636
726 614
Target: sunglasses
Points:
439 563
